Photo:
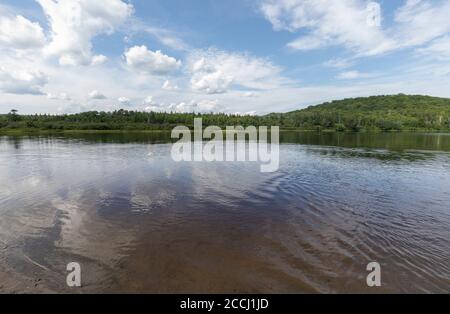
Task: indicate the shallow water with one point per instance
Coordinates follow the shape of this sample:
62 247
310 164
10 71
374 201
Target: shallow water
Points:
138 222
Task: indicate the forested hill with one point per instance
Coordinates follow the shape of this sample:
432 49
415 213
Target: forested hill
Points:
386 113
395 112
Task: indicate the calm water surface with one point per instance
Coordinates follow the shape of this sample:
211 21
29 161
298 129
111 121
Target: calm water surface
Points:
138 222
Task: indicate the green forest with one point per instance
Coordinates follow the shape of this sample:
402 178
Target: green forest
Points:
376 113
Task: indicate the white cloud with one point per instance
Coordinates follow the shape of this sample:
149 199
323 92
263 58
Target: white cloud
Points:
166 37
60 96
338 63
169 86
250 94
153 108
98 59
216 82
328 22
421 21
22 81
74 23
438 49
64 96
204 106
181 107
124 101
214 72
208 105
19 33
193 106
148 101
346 23
352 75
152 62
309 43
248 113
95 94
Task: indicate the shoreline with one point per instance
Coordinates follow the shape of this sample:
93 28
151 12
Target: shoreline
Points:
7 132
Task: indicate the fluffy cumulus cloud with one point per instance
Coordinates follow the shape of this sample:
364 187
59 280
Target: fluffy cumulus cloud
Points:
248 113
214 72
98 59
169 86
22 81
124 101
205 105
74 23
60 96
95 94
20 33
349 23
142 59
148 101
208 105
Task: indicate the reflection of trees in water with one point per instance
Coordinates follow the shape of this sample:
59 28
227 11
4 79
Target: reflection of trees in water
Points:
382 155
123 137
398 142
392 141
15 141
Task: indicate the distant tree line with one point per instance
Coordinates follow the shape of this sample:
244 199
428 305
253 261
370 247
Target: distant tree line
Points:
385 113
121 120
395 112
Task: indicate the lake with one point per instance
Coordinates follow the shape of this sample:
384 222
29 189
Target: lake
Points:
136 221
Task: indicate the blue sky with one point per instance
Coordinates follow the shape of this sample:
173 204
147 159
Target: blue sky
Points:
235 56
